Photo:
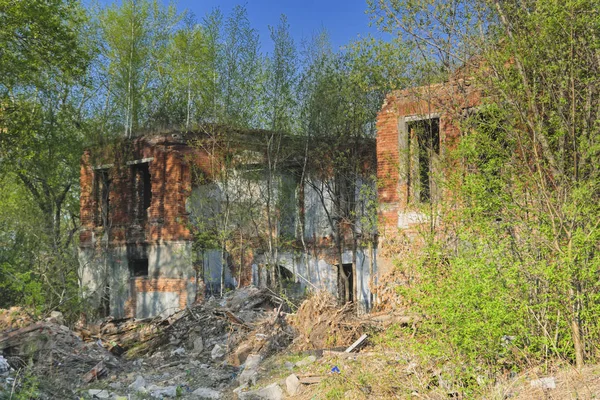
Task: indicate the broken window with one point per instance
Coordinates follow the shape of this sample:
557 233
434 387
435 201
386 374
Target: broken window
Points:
102 196
423 145
142 190
138 267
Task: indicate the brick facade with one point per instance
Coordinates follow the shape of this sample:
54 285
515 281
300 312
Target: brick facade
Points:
444 101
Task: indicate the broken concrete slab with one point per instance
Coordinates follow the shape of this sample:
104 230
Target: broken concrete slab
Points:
271 392
99 394
250 373
160 392
544 383
217 352
198 345
206 393
293 385
139 385
306 361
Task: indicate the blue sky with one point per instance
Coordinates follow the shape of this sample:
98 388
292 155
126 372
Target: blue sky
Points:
343 20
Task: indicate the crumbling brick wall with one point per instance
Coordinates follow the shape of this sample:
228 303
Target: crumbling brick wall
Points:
130 223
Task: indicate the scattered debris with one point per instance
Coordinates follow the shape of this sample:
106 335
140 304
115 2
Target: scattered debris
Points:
311 380
205 346
249 375
217 352
356 344
206 393
96 372
271 392
306 361
293 385
544 383
99 394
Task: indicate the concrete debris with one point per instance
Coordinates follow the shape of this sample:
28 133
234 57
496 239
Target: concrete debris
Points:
206 393
293 385
4 366
178 351
198 345
271 392
181 355
306 361
249 375
544 383
162 392
99 394
56 317
217 352
139 385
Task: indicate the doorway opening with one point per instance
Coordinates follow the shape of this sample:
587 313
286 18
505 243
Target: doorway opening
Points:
346 283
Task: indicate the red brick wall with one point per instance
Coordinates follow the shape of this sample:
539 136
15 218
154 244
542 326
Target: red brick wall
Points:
171 185
448 100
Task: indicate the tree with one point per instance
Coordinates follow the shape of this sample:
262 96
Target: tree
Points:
39 37
134 39
239 71
340 102
43 126
183 77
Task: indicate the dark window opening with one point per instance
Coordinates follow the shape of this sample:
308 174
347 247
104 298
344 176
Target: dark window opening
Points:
138 267
104 309
346 283
102 196
142 190
424 142
285 275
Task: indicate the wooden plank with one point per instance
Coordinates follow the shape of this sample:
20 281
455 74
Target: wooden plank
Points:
310 380
95 372
6 339
356 344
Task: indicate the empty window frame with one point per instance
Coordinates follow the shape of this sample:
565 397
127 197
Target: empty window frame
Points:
142 190
101 189
422 161
138 267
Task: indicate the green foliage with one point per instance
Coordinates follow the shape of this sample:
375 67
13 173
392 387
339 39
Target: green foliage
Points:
43 126
134 42
38 38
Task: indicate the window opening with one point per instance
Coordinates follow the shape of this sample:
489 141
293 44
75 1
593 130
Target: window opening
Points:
102 184
142 190
424 145
138 267
346 282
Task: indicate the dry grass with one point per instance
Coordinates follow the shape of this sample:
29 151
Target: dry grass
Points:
322 324
570 384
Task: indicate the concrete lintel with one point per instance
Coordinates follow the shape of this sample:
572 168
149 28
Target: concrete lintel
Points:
142 161
104 166
421 117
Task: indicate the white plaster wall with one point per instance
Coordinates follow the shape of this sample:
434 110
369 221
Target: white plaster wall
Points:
316 221
149 304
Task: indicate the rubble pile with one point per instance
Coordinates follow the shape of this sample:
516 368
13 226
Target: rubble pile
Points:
52 351
13 318
322 324
199 352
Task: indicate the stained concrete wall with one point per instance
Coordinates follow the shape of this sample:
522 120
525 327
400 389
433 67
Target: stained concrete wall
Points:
312 272
170 276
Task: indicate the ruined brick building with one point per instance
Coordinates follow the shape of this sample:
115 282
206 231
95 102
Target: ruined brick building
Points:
154 208
415 129
170 218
